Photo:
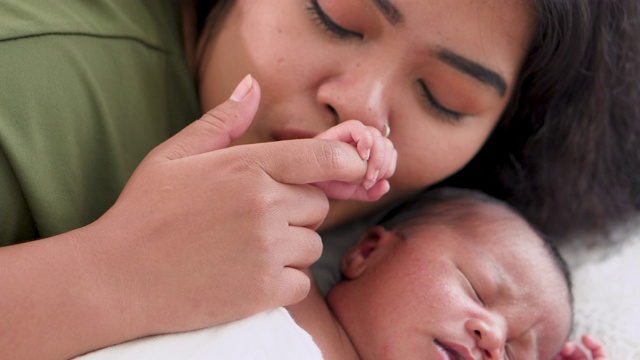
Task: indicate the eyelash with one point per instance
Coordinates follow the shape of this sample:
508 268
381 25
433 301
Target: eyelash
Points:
476 293
326 23
446 114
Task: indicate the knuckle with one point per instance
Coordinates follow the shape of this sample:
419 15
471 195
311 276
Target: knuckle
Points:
286 291
264 244
243 164
264 203
316 248
329 156
217 120
175 152
303 289
323 203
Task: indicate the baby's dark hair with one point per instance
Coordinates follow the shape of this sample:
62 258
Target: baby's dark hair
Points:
448 205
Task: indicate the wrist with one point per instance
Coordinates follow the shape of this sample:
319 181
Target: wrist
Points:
111 282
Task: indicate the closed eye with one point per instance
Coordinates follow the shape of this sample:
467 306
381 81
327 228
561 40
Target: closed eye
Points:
472 289
442 112
326 22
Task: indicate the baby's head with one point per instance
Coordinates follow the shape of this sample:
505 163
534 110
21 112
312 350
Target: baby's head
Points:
454 275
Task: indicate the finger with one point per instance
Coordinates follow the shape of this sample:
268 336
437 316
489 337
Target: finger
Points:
342 190
390 160
597 349
394 162
351 132
218 127
572 351
376 162
306 161
293 286
303 247
339 190
378 190
363 139
307 206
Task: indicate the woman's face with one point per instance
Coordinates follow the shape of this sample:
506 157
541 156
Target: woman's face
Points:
440 72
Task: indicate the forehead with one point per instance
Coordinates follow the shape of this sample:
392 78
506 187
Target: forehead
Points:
494 32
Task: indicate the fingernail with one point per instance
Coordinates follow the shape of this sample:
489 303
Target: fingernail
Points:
242 89
371 180
368 184
375 175
366 154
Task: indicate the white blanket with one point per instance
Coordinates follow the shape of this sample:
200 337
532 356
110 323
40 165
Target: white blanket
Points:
607 294
271 335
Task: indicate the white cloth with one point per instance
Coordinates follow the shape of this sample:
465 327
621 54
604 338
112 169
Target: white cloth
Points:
269 335
607 294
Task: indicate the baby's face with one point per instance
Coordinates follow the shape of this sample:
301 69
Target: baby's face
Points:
456 292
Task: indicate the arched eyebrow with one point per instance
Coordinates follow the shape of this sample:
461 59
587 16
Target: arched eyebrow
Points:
389 11
469 67
473 69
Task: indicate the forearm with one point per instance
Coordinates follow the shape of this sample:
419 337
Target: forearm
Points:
58 302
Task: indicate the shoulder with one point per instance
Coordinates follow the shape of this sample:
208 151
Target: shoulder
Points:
32 18
88 88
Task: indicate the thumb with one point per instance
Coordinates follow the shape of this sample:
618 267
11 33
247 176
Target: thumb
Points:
218 127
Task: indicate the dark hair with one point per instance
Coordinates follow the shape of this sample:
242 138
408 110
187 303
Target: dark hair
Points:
451 206
204 9
567 150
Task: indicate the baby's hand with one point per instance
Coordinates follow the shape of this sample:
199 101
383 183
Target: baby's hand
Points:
572 351
381 159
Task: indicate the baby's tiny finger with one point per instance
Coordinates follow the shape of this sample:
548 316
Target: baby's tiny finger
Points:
378 190
364 143
391 160
568 348
595 346
376 161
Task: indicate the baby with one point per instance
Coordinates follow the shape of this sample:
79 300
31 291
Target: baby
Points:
454 274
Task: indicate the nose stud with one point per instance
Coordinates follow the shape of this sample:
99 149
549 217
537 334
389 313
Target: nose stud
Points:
387 130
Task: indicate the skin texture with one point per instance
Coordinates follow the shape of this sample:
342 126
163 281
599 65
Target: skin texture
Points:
200 226
174 269
375 149
314 78
485 287
593 349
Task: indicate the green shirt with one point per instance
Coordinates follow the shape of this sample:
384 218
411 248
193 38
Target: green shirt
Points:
87 88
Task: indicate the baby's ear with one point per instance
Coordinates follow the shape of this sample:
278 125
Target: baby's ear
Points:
356 261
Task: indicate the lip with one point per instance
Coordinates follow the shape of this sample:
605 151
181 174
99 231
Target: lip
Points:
452 351
292 134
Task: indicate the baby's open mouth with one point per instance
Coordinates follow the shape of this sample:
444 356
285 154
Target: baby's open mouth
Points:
448 352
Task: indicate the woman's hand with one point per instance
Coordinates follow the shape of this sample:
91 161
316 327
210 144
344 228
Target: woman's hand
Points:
209 235
201 235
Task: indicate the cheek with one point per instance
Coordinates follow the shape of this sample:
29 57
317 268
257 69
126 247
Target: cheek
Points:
279 49
270 48
429 154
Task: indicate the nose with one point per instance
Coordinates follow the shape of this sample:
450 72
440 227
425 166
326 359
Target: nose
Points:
489 335
360 93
